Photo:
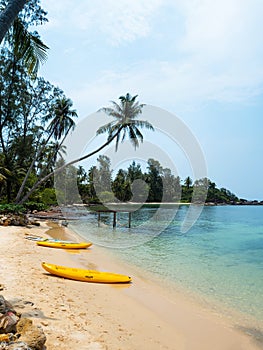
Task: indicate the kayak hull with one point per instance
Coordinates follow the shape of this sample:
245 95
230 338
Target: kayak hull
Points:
64 245
85 275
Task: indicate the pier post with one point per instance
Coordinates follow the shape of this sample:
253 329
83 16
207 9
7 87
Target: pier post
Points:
129 224
114 219
98 218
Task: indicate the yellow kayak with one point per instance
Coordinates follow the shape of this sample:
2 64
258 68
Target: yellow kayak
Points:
64 245
85 275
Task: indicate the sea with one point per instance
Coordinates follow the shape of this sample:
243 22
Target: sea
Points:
218 258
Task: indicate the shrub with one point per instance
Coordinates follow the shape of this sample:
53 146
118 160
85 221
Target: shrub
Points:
12 208
31 206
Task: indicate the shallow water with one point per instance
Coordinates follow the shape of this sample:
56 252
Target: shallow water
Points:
220 258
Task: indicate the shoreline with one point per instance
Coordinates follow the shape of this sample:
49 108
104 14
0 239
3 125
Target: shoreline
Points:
96 316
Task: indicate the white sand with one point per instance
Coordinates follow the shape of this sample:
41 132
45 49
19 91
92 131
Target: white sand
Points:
80 315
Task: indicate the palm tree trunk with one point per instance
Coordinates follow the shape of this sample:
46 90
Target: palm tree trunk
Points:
8 15
53 158
45 178
37 154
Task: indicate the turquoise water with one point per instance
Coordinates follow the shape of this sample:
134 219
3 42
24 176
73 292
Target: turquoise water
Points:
220 258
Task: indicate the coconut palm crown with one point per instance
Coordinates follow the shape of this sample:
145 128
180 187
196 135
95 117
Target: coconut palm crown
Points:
125 121
62 122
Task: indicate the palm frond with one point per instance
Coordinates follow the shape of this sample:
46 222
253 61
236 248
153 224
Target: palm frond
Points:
142 124
105 128
111 112
28 47
138 134
117 142
133 137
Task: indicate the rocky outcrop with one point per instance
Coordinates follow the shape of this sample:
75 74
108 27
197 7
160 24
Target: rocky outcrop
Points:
17 220
18 332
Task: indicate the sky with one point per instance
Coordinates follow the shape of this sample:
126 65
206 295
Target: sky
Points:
199 60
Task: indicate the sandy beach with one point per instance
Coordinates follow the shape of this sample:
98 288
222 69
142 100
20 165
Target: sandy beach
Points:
82 316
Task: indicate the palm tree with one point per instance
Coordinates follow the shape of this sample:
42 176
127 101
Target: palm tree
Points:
125 123
8 15
26 46
62 121
188 182
60 126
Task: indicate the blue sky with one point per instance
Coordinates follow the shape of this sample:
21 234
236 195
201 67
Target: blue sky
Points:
200 60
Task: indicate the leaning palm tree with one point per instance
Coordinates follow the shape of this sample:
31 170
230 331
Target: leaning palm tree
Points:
125 121
125 124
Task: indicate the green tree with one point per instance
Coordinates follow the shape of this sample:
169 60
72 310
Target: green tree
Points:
154 180
171 186
23 106
200 190
187 190
121 186
61 113
91 192
66 185
188 182
134 172
103 177
138 189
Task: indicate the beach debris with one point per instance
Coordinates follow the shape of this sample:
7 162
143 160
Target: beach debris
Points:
13 327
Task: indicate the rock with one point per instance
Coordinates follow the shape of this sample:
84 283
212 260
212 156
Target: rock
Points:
13 327
17 346
8 322
5 306
34 222
13 219
32 335
8 317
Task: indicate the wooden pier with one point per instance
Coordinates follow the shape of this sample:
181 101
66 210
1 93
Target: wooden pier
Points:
114 222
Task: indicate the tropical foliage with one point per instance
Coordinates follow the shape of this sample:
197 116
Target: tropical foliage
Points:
155 184
35 116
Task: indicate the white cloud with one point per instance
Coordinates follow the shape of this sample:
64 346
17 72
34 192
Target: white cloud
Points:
222 28
118 21
177 86
218 56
